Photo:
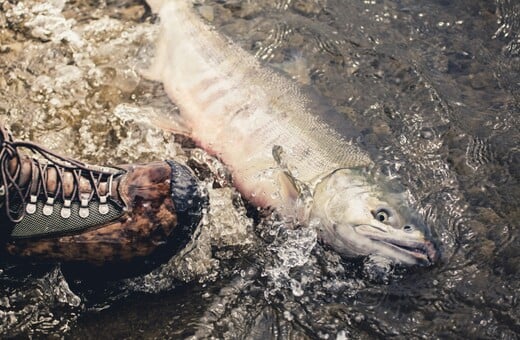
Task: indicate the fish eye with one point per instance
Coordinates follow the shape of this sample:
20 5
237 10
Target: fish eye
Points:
382 215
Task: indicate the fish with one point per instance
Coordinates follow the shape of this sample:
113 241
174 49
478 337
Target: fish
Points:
286 149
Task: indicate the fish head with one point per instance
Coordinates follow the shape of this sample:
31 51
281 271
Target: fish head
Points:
358 216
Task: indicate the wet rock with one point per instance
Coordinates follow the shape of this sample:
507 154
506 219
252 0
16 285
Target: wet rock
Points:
381 128
42 84
297 68
132 13
481 80
427 133
308 7
249 10
207 13
47 23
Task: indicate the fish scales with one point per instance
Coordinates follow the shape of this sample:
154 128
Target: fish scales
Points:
239 109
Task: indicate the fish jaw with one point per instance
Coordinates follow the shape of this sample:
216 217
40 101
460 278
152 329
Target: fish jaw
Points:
358 217
349 242
400 245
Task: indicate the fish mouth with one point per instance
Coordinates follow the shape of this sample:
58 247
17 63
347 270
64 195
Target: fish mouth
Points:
419 250
425 253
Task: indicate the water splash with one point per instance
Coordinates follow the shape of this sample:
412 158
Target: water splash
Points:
290 249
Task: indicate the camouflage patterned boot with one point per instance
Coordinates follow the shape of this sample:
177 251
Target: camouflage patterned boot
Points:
59 209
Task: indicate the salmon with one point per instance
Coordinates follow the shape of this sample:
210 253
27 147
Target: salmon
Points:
285 148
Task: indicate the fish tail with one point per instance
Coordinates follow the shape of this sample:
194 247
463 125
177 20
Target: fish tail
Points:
156 5
169 11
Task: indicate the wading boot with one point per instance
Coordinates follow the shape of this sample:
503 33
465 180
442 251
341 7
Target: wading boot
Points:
59 209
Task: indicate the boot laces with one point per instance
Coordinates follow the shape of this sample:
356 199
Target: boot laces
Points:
12 191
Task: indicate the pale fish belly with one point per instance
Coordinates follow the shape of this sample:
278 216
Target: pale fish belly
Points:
239 110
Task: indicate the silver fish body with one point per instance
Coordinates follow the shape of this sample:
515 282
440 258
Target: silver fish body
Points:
276 140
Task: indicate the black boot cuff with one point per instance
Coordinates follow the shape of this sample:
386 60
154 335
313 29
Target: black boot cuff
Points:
189 200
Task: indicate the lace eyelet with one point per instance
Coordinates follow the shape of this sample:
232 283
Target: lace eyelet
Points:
31 206
66 211
103 206
83 209
48 208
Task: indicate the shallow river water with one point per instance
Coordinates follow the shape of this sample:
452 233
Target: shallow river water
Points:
433 84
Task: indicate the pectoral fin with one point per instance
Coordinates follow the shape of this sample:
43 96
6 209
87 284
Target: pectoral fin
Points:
171 122
288 188
292 189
